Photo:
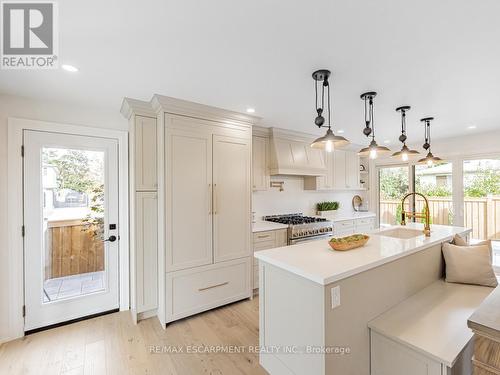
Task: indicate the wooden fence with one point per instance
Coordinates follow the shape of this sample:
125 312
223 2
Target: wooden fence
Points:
480 214
71 250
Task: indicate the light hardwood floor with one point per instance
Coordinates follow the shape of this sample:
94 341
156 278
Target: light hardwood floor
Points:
112 344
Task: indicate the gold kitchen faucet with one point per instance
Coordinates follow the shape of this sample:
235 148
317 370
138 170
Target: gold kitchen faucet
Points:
425 215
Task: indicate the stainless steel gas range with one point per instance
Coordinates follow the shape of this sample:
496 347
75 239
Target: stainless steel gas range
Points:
303 228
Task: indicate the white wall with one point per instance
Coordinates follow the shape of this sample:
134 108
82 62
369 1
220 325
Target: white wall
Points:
295 199
11 106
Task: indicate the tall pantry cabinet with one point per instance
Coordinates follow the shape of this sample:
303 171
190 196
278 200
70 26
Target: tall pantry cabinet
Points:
204 207
143 159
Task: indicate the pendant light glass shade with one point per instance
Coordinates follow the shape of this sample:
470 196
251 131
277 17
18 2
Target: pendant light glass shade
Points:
373 150
405 153
329 141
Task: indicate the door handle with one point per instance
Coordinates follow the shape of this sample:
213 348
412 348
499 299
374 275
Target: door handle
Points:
111 239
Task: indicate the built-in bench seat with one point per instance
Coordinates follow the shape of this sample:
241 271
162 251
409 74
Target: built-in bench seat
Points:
427 334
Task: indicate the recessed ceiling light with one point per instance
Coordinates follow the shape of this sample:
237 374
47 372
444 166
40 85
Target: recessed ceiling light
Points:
472 127
387 141
340 131
69 68
250 110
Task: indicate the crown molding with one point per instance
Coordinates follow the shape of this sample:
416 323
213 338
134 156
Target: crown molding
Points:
171 105
138 107
260 131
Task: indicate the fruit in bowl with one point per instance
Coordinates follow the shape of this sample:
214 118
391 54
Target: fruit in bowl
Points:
349 242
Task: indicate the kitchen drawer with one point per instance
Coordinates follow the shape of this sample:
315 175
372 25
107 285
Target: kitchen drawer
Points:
257 246
203 288
344 224
256 276
363 228
365 221
264 236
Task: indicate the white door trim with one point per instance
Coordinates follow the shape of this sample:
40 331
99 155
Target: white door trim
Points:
16 126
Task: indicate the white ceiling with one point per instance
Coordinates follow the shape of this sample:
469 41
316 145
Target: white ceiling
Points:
441 57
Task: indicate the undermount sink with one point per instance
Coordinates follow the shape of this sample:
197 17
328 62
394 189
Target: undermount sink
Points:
402 233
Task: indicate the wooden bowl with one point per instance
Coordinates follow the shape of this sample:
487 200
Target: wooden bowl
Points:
344 246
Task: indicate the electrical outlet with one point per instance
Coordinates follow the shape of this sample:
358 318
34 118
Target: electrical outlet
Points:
335 291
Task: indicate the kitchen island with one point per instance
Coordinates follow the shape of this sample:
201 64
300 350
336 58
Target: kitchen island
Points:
315 303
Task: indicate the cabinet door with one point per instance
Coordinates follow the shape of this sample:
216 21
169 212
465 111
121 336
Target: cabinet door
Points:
326 181
145 153
259 163
231 197
188 199
146 254
339 170
352 170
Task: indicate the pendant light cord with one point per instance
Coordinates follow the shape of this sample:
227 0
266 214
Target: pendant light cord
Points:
372 118
329 108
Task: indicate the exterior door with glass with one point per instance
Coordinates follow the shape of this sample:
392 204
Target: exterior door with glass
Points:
71 227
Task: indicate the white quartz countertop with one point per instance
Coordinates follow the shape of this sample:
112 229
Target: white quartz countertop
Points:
434 321
262 226
317 262
341 216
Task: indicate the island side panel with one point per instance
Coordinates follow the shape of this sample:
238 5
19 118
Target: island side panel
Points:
291 317
367 295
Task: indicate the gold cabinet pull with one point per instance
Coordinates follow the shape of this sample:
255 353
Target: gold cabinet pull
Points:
264 236
210 199
213 286
215 199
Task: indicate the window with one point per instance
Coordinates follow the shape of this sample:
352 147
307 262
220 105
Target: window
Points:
435 183
393 185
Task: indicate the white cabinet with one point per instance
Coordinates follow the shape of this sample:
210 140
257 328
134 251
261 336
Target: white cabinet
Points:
231 187
208 189
345 170
198 289
351 170
364 225
189 198
145 136
325 182
146 258
263 241
143 224
260 171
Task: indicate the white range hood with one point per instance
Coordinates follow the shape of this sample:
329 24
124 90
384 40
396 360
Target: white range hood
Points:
292 154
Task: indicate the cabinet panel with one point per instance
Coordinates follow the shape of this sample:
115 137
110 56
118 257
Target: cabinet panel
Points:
146 254
145 153
391 358
339 169
260 174
322 182
352 170
199 289
189 198
231 198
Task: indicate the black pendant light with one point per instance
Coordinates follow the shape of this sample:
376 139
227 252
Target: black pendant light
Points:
329 141
373 150
429 159
405 153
